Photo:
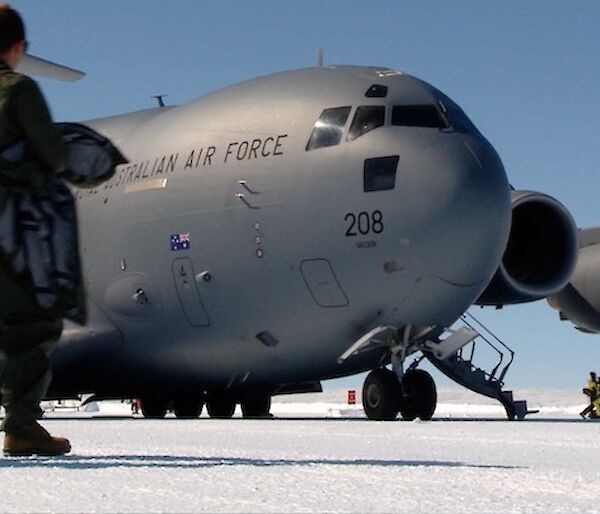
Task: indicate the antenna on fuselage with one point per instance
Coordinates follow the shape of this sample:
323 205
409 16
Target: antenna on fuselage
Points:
320 57
159 98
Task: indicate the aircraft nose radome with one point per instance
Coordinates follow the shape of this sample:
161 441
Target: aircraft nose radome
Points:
468 214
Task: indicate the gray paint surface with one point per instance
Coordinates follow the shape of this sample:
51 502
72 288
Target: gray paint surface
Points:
231 172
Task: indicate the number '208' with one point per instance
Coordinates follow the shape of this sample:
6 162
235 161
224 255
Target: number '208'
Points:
364 223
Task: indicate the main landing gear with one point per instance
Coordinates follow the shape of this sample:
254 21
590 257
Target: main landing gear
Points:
256 406
187 407
184 407
154 407
384 395
218 405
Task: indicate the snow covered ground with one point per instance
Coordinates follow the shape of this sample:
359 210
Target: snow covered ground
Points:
453 402
339 464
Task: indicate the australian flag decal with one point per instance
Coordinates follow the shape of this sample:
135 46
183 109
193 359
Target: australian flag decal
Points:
180 242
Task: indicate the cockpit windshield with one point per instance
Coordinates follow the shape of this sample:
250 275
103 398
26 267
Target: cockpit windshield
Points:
442 114
328 128
367 118
419 116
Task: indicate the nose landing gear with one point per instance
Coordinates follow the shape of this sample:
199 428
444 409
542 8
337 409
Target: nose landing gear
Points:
381 395
419 395
412 393
384 395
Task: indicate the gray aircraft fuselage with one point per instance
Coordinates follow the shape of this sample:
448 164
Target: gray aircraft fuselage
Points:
227 255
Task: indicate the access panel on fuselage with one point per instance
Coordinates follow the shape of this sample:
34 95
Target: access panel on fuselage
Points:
189 296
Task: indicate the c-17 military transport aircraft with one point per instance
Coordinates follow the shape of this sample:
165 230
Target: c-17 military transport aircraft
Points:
579 301
302 226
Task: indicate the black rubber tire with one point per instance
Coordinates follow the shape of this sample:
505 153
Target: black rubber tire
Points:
220 406
154 407
381 395
256 405
419 395
187 407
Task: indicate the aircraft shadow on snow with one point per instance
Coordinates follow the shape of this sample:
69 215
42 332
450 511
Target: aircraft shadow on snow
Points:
77 462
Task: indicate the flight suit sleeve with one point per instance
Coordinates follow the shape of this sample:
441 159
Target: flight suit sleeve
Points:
43 137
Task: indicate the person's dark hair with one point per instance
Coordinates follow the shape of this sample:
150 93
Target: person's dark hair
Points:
12 28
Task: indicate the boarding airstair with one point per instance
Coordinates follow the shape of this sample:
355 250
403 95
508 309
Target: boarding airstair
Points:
461 368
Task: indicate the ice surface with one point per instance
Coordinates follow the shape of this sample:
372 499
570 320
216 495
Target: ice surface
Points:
125 464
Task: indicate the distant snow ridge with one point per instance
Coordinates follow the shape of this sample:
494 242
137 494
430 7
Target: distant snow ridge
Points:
453 402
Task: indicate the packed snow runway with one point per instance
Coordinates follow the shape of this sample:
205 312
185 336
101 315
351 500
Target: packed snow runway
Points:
305 465
337 466
299 466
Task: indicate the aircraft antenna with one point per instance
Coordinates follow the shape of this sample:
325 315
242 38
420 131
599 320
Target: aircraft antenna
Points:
159 98
320 57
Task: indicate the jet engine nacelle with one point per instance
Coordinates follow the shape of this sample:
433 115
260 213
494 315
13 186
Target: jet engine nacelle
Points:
540 255
579 302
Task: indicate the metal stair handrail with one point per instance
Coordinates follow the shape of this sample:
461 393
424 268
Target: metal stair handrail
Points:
492 373
497 339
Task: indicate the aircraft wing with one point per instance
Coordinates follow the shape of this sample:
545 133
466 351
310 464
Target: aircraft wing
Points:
31 65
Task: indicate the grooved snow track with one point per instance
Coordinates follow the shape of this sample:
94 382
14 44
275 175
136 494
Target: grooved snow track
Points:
351 465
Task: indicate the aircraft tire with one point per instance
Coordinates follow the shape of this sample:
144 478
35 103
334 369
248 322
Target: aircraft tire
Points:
220 406
187 407
154 407
419 395
256 406
381 395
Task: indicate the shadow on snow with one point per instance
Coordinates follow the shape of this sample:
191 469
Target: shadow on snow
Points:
81 462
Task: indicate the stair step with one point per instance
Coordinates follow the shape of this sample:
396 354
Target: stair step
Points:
466 373
479 374
520 407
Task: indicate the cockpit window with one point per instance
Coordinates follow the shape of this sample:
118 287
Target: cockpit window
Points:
419 116
328 128
367 118
459 120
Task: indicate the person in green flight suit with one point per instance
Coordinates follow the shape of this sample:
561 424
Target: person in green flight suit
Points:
28 333
591 391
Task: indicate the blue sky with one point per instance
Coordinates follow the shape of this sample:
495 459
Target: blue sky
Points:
526 72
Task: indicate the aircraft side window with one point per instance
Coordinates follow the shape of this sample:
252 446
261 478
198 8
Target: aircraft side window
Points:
367 118
419 116
460 121
328 128
380 173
